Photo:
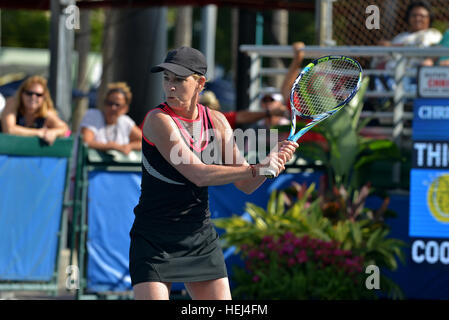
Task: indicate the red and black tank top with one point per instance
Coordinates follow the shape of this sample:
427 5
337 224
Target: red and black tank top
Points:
169 201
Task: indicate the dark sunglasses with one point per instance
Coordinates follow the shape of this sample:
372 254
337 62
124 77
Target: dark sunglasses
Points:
112 104
31 93
267 99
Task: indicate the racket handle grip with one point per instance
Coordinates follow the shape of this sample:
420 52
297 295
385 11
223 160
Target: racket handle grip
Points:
269 173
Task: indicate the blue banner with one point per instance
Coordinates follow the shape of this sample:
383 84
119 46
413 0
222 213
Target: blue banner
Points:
430 119
112 198
31 198
424 275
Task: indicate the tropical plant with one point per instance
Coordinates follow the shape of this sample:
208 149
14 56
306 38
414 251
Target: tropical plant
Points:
304 215
283 245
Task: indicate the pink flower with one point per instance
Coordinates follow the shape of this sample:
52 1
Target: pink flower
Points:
256 278
347 253
338 253
304 241
326 245
267 239
326 260
301 256
352 265
288 235
288 249
350 262
313 244
252 253
320 253
297 242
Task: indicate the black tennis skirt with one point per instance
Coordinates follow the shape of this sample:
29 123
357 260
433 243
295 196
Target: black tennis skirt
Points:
169 257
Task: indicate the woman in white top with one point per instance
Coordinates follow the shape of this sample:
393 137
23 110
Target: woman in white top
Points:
419 19
109 128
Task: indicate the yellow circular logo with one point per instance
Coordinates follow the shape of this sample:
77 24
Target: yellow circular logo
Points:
438 198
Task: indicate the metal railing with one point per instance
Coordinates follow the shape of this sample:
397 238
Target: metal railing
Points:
275 51
397 117
399 95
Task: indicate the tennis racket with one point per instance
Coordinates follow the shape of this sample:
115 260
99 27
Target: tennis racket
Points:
322 88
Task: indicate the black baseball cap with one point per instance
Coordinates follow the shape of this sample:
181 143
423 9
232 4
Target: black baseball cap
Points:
183 62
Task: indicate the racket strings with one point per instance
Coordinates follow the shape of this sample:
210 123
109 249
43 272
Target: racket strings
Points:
325 86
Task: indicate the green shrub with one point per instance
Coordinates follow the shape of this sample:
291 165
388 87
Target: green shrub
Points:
275 241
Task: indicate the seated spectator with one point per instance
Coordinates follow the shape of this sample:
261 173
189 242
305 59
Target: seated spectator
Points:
419 19
242 117
293 70
444 61
271 100
109 128
2 103
31 112
292 73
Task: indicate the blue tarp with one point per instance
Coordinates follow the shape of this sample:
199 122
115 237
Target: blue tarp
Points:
31 198
112 198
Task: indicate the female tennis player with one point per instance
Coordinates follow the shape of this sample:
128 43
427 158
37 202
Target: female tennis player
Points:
172 238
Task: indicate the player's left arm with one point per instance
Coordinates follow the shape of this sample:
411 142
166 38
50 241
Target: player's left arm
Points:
231 155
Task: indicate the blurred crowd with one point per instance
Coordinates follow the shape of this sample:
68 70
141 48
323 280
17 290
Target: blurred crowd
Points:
31 111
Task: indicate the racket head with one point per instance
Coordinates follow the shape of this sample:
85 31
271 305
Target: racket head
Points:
324 86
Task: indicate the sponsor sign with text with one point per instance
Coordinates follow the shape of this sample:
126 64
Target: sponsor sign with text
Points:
433 82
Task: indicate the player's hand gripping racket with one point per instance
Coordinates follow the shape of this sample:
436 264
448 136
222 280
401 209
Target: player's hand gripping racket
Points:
322 88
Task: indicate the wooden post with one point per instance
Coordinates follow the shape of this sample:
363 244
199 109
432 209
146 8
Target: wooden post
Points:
136 40
323 14
279 28
183 27
246 35
207 46
61 49
82 46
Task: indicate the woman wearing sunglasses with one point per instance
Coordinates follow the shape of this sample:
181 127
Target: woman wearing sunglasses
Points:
31 112
109 128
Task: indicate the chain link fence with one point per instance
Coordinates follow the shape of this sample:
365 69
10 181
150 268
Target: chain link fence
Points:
349 20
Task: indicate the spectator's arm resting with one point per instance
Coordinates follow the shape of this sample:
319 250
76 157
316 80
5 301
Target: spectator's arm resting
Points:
135 138
9 125
293 69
